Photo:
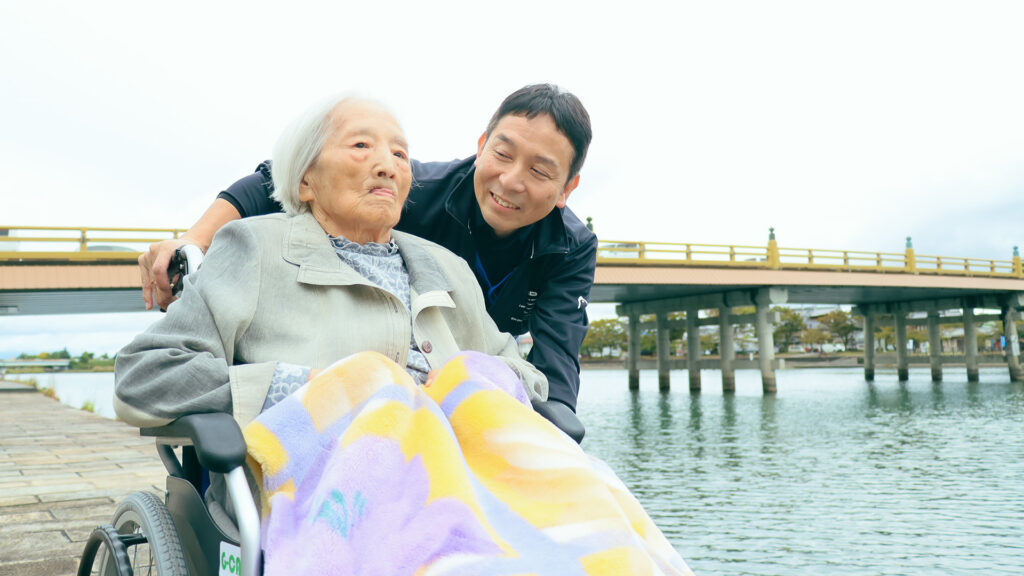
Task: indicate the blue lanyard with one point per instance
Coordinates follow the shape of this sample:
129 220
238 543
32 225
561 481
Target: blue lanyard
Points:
490 287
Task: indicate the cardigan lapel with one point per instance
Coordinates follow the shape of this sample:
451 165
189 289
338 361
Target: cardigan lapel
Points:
425 274
306 245
428 283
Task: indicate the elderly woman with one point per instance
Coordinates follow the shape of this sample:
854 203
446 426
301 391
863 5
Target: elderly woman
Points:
282 296
361 470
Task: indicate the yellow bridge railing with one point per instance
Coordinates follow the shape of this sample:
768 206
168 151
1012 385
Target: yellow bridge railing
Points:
52 243
58 243
772 257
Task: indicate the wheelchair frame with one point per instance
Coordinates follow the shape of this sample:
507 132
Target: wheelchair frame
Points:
212 442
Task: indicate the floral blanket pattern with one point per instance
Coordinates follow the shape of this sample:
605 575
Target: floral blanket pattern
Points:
363 472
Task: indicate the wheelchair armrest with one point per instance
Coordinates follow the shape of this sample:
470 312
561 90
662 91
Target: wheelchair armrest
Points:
562 416
216 437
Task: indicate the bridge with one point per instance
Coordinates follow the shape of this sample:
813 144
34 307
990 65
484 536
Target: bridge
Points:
50 365
49 270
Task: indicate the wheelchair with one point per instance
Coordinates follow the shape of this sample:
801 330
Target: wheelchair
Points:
179 536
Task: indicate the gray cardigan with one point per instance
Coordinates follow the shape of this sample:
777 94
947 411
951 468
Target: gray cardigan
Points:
272 289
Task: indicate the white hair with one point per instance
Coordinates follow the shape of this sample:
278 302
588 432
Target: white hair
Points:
299 146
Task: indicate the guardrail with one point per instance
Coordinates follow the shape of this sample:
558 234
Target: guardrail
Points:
45 243
773 257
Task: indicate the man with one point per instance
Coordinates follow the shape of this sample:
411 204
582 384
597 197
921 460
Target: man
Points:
503 211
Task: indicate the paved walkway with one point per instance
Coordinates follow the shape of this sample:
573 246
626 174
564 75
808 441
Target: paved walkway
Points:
62 472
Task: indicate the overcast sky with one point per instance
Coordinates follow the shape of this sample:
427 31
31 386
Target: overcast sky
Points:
845 125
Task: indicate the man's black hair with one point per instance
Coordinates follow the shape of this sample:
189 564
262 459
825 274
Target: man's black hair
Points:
565 109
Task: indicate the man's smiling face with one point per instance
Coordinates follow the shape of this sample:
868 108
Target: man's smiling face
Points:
521 171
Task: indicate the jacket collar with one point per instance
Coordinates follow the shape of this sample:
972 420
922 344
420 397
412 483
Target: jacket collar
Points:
425 274
306 246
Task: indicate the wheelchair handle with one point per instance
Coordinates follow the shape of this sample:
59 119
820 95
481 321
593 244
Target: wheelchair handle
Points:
561 416
186 260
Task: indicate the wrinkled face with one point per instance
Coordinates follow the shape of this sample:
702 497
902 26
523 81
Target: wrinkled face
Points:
360 180
521 172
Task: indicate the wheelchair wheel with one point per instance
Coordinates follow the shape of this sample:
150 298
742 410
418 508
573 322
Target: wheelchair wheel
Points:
145 528
113 555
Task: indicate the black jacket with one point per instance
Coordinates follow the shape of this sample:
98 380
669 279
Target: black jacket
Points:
545 293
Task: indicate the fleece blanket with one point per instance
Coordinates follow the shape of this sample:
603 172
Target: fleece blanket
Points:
363 472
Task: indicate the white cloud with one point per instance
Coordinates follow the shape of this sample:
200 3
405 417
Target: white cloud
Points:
843 125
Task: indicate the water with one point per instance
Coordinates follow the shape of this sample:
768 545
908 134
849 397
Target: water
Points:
832 475
77 389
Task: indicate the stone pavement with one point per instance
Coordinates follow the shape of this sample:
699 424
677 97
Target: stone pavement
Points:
62 472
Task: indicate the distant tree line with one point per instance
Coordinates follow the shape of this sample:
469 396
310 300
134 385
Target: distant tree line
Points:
608 337
85 361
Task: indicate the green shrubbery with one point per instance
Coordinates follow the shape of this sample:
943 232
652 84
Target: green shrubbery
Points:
86 362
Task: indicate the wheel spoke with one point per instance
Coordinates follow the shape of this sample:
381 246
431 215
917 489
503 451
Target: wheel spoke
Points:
133 539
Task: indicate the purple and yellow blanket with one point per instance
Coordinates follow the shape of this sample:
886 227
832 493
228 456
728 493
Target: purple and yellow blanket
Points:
363 472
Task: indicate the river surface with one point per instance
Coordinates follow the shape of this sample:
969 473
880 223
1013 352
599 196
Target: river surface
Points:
832 475
78 389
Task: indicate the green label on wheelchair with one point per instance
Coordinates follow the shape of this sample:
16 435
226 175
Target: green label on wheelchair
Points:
230 560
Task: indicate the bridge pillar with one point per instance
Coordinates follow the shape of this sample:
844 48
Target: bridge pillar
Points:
726 349
664 380
934 345
765 342
1012 343
902 367
633 341
869 345
971 342
693 349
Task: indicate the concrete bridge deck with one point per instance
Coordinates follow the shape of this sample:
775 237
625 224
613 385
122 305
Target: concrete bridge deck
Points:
54 270
62 472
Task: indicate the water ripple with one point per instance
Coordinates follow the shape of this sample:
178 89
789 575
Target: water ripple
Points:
833 475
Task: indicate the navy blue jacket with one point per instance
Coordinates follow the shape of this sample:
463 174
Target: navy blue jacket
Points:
545 292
